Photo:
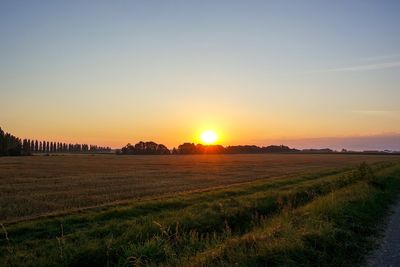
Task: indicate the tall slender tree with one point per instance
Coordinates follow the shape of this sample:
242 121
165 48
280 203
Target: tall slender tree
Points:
29 146
32 146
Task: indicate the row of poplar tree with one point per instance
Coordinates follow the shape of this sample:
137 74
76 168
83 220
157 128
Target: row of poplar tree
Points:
11 145
35 146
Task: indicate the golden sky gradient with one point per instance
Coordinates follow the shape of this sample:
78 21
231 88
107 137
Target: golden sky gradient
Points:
255 73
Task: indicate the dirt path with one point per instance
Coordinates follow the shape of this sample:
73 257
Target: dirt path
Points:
389 252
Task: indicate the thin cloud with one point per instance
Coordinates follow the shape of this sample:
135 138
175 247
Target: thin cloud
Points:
365 67
382 58
374 112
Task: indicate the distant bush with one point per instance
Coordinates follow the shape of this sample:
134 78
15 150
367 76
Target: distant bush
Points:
144 148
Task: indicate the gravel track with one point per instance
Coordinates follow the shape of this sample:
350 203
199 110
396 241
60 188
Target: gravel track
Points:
388 254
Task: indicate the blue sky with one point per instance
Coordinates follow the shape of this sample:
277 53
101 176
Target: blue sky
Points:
116 71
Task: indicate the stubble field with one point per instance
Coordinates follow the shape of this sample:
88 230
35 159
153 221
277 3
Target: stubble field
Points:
216 210
39 185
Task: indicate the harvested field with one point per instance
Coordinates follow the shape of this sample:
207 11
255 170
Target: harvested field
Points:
302 210
38 185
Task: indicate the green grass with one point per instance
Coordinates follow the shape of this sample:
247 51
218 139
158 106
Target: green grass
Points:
321 219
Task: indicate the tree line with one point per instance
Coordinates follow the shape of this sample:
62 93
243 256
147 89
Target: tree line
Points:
10 145
14 146
191 148
152 148
35 146
144 148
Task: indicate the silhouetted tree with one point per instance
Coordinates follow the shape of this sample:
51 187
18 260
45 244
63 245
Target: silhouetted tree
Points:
322 150
32 146
190 148
25 148
29 146
36 146
9 144
3 144
162 150
187 148
143 148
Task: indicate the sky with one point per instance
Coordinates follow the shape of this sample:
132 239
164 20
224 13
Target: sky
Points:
256 72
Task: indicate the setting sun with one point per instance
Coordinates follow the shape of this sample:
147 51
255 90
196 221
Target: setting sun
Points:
209 137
